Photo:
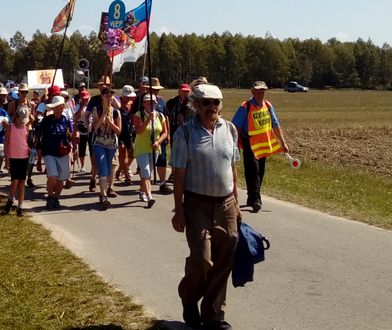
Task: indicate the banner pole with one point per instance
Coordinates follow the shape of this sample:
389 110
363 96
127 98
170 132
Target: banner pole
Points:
149 78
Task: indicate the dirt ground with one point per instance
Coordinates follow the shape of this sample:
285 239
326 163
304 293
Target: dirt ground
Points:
369 149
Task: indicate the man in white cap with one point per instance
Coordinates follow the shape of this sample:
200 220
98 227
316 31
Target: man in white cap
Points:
205 195
55 148
259 131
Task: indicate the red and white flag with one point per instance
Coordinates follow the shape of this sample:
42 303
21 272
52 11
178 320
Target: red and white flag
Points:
130 42
64 17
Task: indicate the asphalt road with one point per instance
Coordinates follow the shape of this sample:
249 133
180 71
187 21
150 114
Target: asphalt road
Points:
322 272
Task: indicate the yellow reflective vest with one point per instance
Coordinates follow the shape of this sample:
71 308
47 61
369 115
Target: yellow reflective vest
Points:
263 141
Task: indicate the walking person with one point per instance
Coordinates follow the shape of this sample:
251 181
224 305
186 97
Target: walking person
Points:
82 126
68 113
4 122
24 103
96 101
151 131
107 125
261 137
40 113
55 147
205 196
17 156
161 162
179 112
125 146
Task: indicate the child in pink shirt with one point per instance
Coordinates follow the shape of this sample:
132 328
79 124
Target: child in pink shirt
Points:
17 155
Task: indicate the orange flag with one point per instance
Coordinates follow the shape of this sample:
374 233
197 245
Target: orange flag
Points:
63 17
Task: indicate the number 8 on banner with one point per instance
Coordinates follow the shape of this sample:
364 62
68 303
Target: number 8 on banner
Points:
116 14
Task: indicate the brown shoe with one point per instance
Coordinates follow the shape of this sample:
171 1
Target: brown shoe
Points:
111 193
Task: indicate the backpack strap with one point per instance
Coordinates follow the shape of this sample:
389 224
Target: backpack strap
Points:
247 106
186 133
185 129
232 128
269 105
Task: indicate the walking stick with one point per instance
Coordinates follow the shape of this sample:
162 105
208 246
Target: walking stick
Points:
73 163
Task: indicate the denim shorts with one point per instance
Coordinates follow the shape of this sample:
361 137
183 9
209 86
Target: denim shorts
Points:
145 163
57 166
104 159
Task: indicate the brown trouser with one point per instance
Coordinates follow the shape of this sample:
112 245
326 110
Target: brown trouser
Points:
211 232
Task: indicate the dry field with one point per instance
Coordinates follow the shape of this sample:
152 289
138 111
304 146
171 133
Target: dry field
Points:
369 149
350 128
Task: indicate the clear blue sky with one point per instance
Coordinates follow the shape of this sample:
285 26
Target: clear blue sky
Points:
346 20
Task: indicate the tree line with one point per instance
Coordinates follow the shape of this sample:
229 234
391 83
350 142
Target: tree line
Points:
231 61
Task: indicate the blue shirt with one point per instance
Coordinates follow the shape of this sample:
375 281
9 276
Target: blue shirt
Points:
3 113
161 106
240 118
208 157
53 133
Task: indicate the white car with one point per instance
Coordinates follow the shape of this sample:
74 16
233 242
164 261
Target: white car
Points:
293 86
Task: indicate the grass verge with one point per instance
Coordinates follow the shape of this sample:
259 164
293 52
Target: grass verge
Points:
44 286
333 189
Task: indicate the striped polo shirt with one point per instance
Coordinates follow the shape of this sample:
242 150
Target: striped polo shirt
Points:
207 157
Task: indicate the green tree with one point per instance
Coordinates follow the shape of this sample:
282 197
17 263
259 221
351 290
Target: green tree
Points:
290 54
385 67
6 62
167 60
276 65
36 51
235 59
366 63
18 41
254 58
344 71
193 59
318 58
215 57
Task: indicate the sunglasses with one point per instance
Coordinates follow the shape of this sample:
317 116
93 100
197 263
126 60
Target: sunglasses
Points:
23 92
208 102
